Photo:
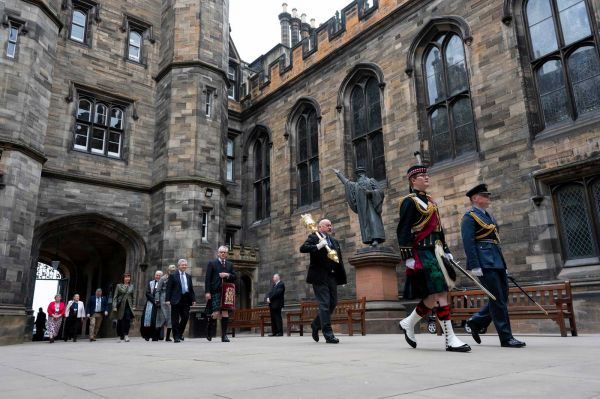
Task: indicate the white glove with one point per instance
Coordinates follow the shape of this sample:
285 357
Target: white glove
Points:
410 263
477 272
321 243
448 256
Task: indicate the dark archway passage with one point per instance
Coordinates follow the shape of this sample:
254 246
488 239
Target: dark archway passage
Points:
93 252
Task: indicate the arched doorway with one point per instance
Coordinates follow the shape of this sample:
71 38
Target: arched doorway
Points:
91 251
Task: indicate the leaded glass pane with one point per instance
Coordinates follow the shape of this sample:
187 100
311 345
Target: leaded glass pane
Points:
553 95
100 116
314 170
360 153
543 38
378 156
538 10
84 110
116 118
434 71
97 142
81 136
258 161
442 144
11 49
229 148
229 171
596 199
267 185
303 183
457 71
313 134
574 20
13 34
574 222
464 131
374 105
267 161
114 144
358 112
135 39
78 26
302 139
584 71
258 198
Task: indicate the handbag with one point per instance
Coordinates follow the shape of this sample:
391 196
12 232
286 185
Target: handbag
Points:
227 295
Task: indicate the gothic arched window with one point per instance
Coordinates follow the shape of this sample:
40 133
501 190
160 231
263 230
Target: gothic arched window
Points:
367 136
262 175
307 144
564 58
448 98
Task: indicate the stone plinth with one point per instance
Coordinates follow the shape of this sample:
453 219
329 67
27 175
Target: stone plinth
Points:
376 280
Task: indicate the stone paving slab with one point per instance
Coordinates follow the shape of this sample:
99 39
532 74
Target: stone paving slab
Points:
373 366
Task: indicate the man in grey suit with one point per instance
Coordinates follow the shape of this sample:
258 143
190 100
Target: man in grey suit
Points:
481 241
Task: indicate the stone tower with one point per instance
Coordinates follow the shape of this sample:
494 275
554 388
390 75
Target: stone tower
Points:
191 129
25 82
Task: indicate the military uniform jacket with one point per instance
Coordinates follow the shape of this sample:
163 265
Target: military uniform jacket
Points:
416 212
320 265
481 240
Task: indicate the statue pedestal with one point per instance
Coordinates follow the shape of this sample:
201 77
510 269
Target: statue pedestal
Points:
376 280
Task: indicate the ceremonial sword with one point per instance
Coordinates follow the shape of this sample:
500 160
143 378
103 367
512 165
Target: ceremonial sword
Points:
526 294
466 273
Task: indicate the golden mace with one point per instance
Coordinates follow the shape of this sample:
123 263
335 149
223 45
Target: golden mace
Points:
311 225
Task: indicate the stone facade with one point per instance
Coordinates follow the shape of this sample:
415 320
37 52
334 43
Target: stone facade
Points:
148 203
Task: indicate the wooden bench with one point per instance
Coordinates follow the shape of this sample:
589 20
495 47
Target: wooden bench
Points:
347 311
556 299
249 318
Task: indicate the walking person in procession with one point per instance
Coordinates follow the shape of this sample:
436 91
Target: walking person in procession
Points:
481 240
419 232
218 270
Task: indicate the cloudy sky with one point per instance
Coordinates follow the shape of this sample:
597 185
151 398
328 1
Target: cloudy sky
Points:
255 26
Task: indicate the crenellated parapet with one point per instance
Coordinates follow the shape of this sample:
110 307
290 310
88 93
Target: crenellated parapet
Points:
282 65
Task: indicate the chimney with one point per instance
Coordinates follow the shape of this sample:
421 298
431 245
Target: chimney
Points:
304 27
284 21
295 21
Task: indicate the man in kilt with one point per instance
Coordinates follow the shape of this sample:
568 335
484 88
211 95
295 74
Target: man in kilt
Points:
419 233
217 271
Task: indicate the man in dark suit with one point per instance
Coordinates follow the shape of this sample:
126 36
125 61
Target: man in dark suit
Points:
481 241
180 295
218 270
97 309
275 299
325 275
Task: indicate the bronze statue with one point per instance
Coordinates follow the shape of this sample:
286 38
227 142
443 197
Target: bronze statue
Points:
365 198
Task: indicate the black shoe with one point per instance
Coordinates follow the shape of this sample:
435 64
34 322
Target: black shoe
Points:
474 330
332 340
462 348
512 343
168 340
181 338
315 333
224 338
279 335
176 340
272 335
147 339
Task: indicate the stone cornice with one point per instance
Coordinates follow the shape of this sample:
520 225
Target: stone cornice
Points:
48 11
23 148
191 64
128 186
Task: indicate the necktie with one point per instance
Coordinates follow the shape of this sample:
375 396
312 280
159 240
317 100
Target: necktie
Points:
97 304
183 283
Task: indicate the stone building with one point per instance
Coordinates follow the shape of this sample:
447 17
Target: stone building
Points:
132 134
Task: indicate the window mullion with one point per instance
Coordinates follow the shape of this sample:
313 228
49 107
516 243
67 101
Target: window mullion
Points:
589 197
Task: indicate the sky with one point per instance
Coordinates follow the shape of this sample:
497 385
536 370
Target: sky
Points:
255 24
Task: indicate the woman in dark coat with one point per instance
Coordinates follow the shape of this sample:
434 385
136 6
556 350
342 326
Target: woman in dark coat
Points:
123 307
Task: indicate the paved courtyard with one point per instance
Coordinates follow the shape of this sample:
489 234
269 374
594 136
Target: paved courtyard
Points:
374 366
